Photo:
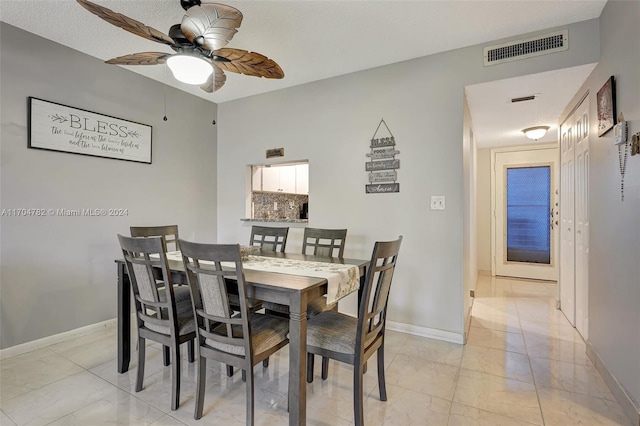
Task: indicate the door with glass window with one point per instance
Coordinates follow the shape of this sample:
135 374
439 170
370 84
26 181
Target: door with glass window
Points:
525 209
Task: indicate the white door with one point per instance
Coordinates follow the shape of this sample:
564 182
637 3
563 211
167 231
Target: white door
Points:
567 213
524 235
582 217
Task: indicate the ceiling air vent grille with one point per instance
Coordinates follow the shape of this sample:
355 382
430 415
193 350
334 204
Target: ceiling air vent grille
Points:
527 48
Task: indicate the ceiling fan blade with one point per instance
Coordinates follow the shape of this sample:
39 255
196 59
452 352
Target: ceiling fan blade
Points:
215 23
126 23
211 86
144 58
248 63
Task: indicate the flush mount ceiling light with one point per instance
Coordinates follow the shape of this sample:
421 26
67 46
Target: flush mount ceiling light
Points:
536 132
189 69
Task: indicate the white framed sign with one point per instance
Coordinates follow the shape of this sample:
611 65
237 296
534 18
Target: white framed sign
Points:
58 127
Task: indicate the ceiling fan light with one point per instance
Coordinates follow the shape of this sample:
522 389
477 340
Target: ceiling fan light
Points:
189 69
536 132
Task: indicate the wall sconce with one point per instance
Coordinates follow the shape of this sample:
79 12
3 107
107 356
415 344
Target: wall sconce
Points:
536 132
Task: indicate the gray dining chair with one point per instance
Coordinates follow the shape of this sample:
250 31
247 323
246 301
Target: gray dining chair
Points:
269 238
354 340
160 317
316 242
237 338
169 234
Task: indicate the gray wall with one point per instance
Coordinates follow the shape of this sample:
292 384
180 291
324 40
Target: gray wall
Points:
330 123
58 273
614 258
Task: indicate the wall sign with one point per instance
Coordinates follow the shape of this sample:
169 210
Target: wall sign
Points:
383 164
275 152
58 127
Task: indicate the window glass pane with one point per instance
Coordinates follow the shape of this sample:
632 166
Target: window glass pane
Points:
528 207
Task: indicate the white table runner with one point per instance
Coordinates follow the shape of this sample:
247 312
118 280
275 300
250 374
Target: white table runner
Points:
342 279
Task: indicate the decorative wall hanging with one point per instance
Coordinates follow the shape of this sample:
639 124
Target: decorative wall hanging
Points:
275 152
606 105
58 127
383 165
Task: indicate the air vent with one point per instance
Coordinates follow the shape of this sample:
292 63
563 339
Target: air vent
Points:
523 99
527 48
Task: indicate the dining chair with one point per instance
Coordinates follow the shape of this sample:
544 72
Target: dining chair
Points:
316 242
269 238
169 234
354 340
160 317
241 338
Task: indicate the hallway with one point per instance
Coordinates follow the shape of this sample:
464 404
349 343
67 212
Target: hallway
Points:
517 333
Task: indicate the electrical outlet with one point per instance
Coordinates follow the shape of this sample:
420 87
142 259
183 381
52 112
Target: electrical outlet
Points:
437 202
275 205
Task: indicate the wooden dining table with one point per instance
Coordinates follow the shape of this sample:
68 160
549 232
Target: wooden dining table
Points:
294 291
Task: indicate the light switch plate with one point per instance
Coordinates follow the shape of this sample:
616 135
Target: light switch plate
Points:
438 202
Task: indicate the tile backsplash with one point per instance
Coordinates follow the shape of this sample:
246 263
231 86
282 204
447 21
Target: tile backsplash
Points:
289 206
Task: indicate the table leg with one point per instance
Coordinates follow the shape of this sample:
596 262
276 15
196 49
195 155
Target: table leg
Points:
298 360
124 319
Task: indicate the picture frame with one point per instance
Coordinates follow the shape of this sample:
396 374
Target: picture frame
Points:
57 127
606 106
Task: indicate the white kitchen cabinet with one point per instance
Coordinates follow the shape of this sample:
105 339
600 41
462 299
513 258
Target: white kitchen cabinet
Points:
302 179
271 179
288 179
256 178
291 179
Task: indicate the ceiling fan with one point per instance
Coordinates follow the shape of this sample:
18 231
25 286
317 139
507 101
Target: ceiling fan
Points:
198 41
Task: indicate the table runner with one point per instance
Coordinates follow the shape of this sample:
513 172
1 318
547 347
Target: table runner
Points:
342 279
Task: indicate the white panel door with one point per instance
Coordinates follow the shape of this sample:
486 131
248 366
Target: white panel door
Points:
582 218
519 232
567 228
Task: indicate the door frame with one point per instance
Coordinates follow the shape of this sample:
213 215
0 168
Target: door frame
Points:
494 151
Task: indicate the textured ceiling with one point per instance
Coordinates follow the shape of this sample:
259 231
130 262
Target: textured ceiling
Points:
311 40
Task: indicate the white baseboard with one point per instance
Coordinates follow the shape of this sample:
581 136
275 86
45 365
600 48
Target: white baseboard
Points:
630 408
432 333
56 338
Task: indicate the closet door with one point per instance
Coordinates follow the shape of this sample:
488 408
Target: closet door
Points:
582 218
574 216
567 228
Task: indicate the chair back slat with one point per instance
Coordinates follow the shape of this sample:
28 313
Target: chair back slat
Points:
269 238
375 294
324 242
218 326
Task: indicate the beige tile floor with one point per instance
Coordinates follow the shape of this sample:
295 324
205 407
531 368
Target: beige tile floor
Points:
523 364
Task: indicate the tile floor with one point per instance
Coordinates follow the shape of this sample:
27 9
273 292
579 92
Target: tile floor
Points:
523 364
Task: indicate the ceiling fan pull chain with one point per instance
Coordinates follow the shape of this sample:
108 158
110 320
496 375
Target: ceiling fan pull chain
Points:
165 93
